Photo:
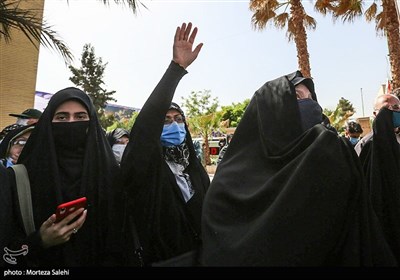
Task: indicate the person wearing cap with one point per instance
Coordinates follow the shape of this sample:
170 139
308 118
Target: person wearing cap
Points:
27 117
164 182
289 191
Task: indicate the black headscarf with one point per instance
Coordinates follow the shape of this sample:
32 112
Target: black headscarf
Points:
92 176
5 145
114 135
284 197
381 159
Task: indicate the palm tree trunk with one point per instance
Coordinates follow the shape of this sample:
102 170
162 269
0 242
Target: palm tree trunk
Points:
393 38
206 150
300 37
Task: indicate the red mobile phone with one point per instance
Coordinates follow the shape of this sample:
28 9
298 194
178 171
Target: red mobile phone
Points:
67 208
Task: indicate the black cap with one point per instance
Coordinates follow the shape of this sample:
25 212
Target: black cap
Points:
28 114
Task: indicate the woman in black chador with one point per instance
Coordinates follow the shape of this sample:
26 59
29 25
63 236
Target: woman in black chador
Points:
164 181
289 191
67 156
381 163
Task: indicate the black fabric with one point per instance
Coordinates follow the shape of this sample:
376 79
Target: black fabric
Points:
178 108
178 154
284 197
8 129
381 159
114 135
166 225
6 214
50 186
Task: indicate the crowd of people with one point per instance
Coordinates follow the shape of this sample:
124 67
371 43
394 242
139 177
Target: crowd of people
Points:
288 189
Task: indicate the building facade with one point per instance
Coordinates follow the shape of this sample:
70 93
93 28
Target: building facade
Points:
18 69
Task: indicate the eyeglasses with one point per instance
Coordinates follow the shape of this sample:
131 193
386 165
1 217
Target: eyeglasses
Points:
176 118
19 142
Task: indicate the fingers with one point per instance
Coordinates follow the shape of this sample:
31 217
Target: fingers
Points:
177 32
75 226
198 49
193 35
71 216
182 33
50 221
187 31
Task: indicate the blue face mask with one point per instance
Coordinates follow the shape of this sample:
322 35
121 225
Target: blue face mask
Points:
173 134
9 162
354 140
396 119
310 113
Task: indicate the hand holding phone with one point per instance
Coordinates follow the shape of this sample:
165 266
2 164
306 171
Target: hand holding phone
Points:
67 208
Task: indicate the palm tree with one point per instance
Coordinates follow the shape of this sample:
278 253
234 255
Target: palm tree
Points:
12 16
296 20
386 20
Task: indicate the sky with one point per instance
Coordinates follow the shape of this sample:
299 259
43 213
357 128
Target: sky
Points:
347 59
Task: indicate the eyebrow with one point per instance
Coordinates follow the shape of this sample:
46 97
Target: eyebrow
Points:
178 114
63 112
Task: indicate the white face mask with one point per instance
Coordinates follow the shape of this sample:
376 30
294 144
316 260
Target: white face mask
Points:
118 150
22 121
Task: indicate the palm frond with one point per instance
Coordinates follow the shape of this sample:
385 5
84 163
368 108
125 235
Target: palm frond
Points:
370 13
28 22
281 20
324 6
132 4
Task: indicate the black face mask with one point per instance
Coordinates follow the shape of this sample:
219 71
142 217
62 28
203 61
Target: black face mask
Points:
310 113
70 137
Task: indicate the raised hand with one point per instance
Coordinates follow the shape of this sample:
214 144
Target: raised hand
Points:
183 44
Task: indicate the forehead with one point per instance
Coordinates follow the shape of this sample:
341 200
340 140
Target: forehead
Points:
173 112
301 87
71 106
393 100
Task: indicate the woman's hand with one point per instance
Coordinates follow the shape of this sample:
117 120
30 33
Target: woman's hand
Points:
53 234
183 44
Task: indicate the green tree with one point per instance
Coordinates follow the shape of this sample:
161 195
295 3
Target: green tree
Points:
124 123
202 117
338 117
234 113
12 16
90 78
